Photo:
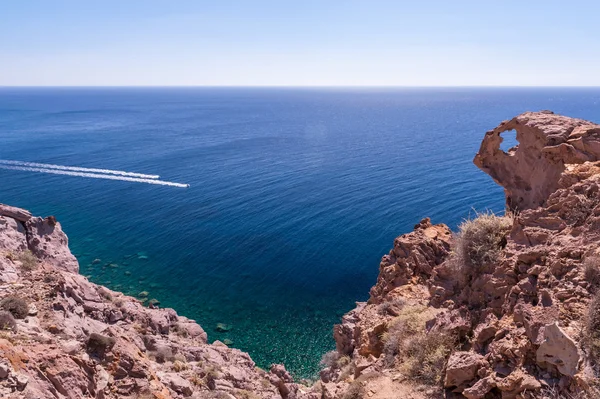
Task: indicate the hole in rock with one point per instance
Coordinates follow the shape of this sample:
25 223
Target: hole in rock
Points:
509 140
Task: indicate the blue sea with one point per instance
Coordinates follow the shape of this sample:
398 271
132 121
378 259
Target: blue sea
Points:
294 196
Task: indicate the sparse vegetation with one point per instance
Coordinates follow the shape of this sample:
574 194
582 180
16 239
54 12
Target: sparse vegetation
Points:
15 305
391 307
245 394
179 331
119 302
591 270
104 293
592 333
480 242
28 260
555 393
329 359
355 391
217 395
178 366
162 354
7 321
419 354
100 344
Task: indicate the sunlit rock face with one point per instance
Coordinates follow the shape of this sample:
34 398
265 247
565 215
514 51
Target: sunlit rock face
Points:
530 171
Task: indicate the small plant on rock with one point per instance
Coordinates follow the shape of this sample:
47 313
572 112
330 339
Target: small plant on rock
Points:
28 260
329 359
592 333
591 272
480 241
355 391
419 354
15 305
100 344
7 321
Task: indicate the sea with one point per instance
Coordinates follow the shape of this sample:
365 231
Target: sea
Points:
261 213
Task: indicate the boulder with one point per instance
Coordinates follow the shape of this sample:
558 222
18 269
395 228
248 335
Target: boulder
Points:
462 368
560 350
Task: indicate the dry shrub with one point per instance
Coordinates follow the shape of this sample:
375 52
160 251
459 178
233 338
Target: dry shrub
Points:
355 391
419 354
591 272
554 392
104 293
480 241
100 344
216 395
178 366
7 321
28 260
162 354
15 305
329 359
245 394
391 307
592 333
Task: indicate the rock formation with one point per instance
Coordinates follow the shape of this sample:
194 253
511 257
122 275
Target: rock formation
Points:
530 171
507 317
81 340
517 325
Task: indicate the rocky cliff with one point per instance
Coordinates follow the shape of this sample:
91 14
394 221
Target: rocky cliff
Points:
508 307
62 336
503 309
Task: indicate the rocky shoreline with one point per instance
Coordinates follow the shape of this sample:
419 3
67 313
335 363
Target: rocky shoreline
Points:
506 308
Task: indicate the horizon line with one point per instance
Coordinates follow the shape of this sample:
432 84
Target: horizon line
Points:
307 86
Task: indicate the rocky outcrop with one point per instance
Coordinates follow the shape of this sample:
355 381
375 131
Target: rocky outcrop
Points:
518 323
548 142
81 340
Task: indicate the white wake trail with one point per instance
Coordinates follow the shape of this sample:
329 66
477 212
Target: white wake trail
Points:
94 175
78 169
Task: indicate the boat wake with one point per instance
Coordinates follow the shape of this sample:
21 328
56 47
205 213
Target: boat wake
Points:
77 169
87 172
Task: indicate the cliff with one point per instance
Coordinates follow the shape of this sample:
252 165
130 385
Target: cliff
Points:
508 307
65 337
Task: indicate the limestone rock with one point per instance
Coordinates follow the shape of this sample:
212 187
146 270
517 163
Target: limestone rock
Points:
17 214
530 172
47 241
560 350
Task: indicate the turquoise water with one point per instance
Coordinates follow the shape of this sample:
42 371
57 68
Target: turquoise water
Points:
295 194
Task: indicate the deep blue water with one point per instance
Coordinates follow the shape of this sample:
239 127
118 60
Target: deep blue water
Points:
295 193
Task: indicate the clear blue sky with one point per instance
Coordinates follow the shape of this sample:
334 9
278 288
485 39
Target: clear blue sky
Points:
302 43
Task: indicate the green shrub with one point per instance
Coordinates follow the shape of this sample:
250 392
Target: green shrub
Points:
7 321
480 241
28 260
15 305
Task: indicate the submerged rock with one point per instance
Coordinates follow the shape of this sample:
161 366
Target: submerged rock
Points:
222 327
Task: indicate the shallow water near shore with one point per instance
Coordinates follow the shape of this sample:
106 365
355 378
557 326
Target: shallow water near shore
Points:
295 194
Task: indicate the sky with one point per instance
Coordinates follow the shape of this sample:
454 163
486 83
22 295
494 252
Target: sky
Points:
299 43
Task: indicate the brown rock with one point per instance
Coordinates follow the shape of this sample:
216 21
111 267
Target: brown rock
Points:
462 367
530 172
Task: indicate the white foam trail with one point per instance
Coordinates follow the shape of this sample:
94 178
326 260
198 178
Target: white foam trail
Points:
78 169
94 175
